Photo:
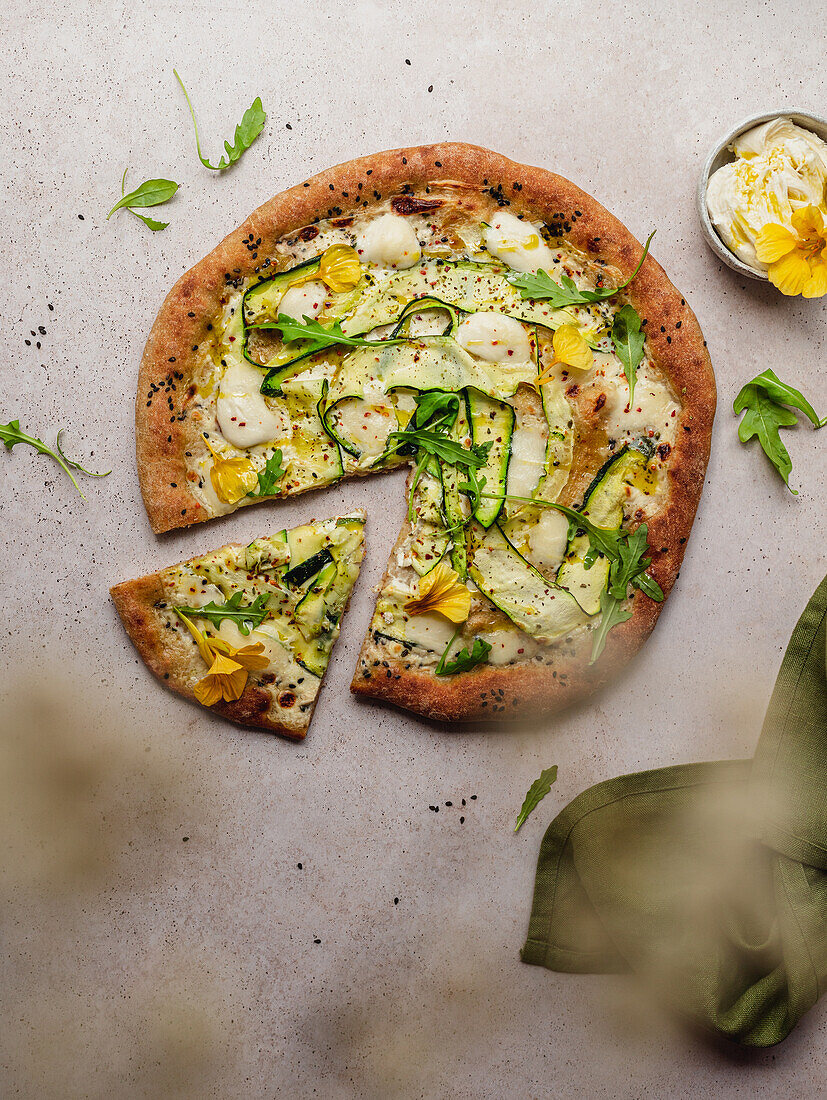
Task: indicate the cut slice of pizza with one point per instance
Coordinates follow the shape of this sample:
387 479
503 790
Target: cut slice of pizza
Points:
248 630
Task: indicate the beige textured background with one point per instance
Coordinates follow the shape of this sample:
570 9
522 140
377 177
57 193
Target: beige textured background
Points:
425 996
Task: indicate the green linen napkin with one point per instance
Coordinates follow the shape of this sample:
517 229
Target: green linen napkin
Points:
707 880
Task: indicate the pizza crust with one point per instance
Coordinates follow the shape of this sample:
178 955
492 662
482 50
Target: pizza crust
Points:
164 430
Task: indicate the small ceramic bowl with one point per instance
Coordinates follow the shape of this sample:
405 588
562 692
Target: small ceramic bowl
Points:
720 155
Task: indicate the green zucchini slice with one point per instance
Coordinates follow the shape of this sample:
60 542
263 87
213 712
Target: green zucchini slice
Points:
603 505
492 424
538 606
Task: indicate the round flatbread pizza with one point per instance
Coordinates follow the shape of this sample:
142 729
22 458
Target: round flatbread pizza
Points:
494 329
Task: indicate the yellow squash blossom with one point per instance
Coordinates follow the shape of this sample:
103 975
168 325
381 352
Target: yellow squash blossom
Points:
340 269
570 349
441 590
232 478
796 261
228 666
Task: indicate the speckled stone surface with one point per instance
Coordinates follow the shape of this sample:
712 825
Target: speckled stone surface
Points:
370 943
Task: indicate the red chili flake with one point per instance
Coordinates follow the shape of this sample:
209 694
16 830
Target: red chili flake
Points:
664 450
309 233
600 402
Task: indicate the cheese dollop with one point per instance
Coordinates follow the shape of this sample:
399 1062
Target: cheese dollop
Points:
244 417
495 338
779 168
299 302
517 243
389 241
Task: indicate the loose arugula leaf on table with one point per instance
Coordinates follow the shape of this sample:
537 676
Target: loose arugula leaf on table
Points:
536 793
765 402
246 616
317 335
541 286
11 434
465 660
246 132
150 193
628 339
270 476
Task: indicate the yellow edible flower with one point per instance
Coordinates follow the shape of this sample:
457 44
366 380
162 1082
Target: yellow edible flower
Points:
340 269
441 590
228 666
797 261
570 349
232 478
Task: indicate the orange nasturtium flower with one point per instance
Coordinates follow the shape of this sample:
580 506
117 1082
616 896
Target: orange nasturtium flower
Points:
570 349
228 666
232 478
441 590
797 261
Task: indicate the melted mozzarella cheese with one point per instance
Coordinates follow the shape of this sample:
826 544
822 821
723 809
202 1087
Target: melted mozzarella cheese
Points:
547 540
528 455
388 241
368 426
506 646
495 338
433 631
244 417
299 302
517 243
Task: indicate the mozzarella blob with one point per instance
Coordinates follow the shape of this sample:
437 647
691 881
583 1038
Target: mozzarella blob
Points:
495 338
244 417
388 241
547 540
303 301
517 243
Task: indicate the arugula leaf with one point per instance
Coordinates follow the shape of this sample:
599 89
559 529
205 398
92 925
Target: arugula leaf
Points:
246 132
439 445
765 400
541 286
317 335
612 613
536 793
627 554
464 660
246 616
11 435
150 193
436 409
269 477
628 339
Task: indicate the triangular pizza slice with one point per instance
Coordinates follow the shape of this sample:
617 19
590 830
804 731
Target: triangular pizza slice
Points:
248 631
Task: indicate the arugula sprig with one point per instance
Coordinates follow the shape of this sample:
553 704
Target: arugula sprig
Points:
317 336
11 434
246 132
627 553
541 286
270 476
536 793
428 443
465 659
628 339
768 403
150 193
246 616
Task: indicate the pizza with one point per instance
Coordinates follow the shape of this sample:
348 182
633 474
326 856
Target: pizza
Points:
248 630
495 330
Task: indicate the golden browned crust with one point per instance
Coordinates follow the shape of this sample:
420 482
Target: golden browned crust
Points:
177 664
674 338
